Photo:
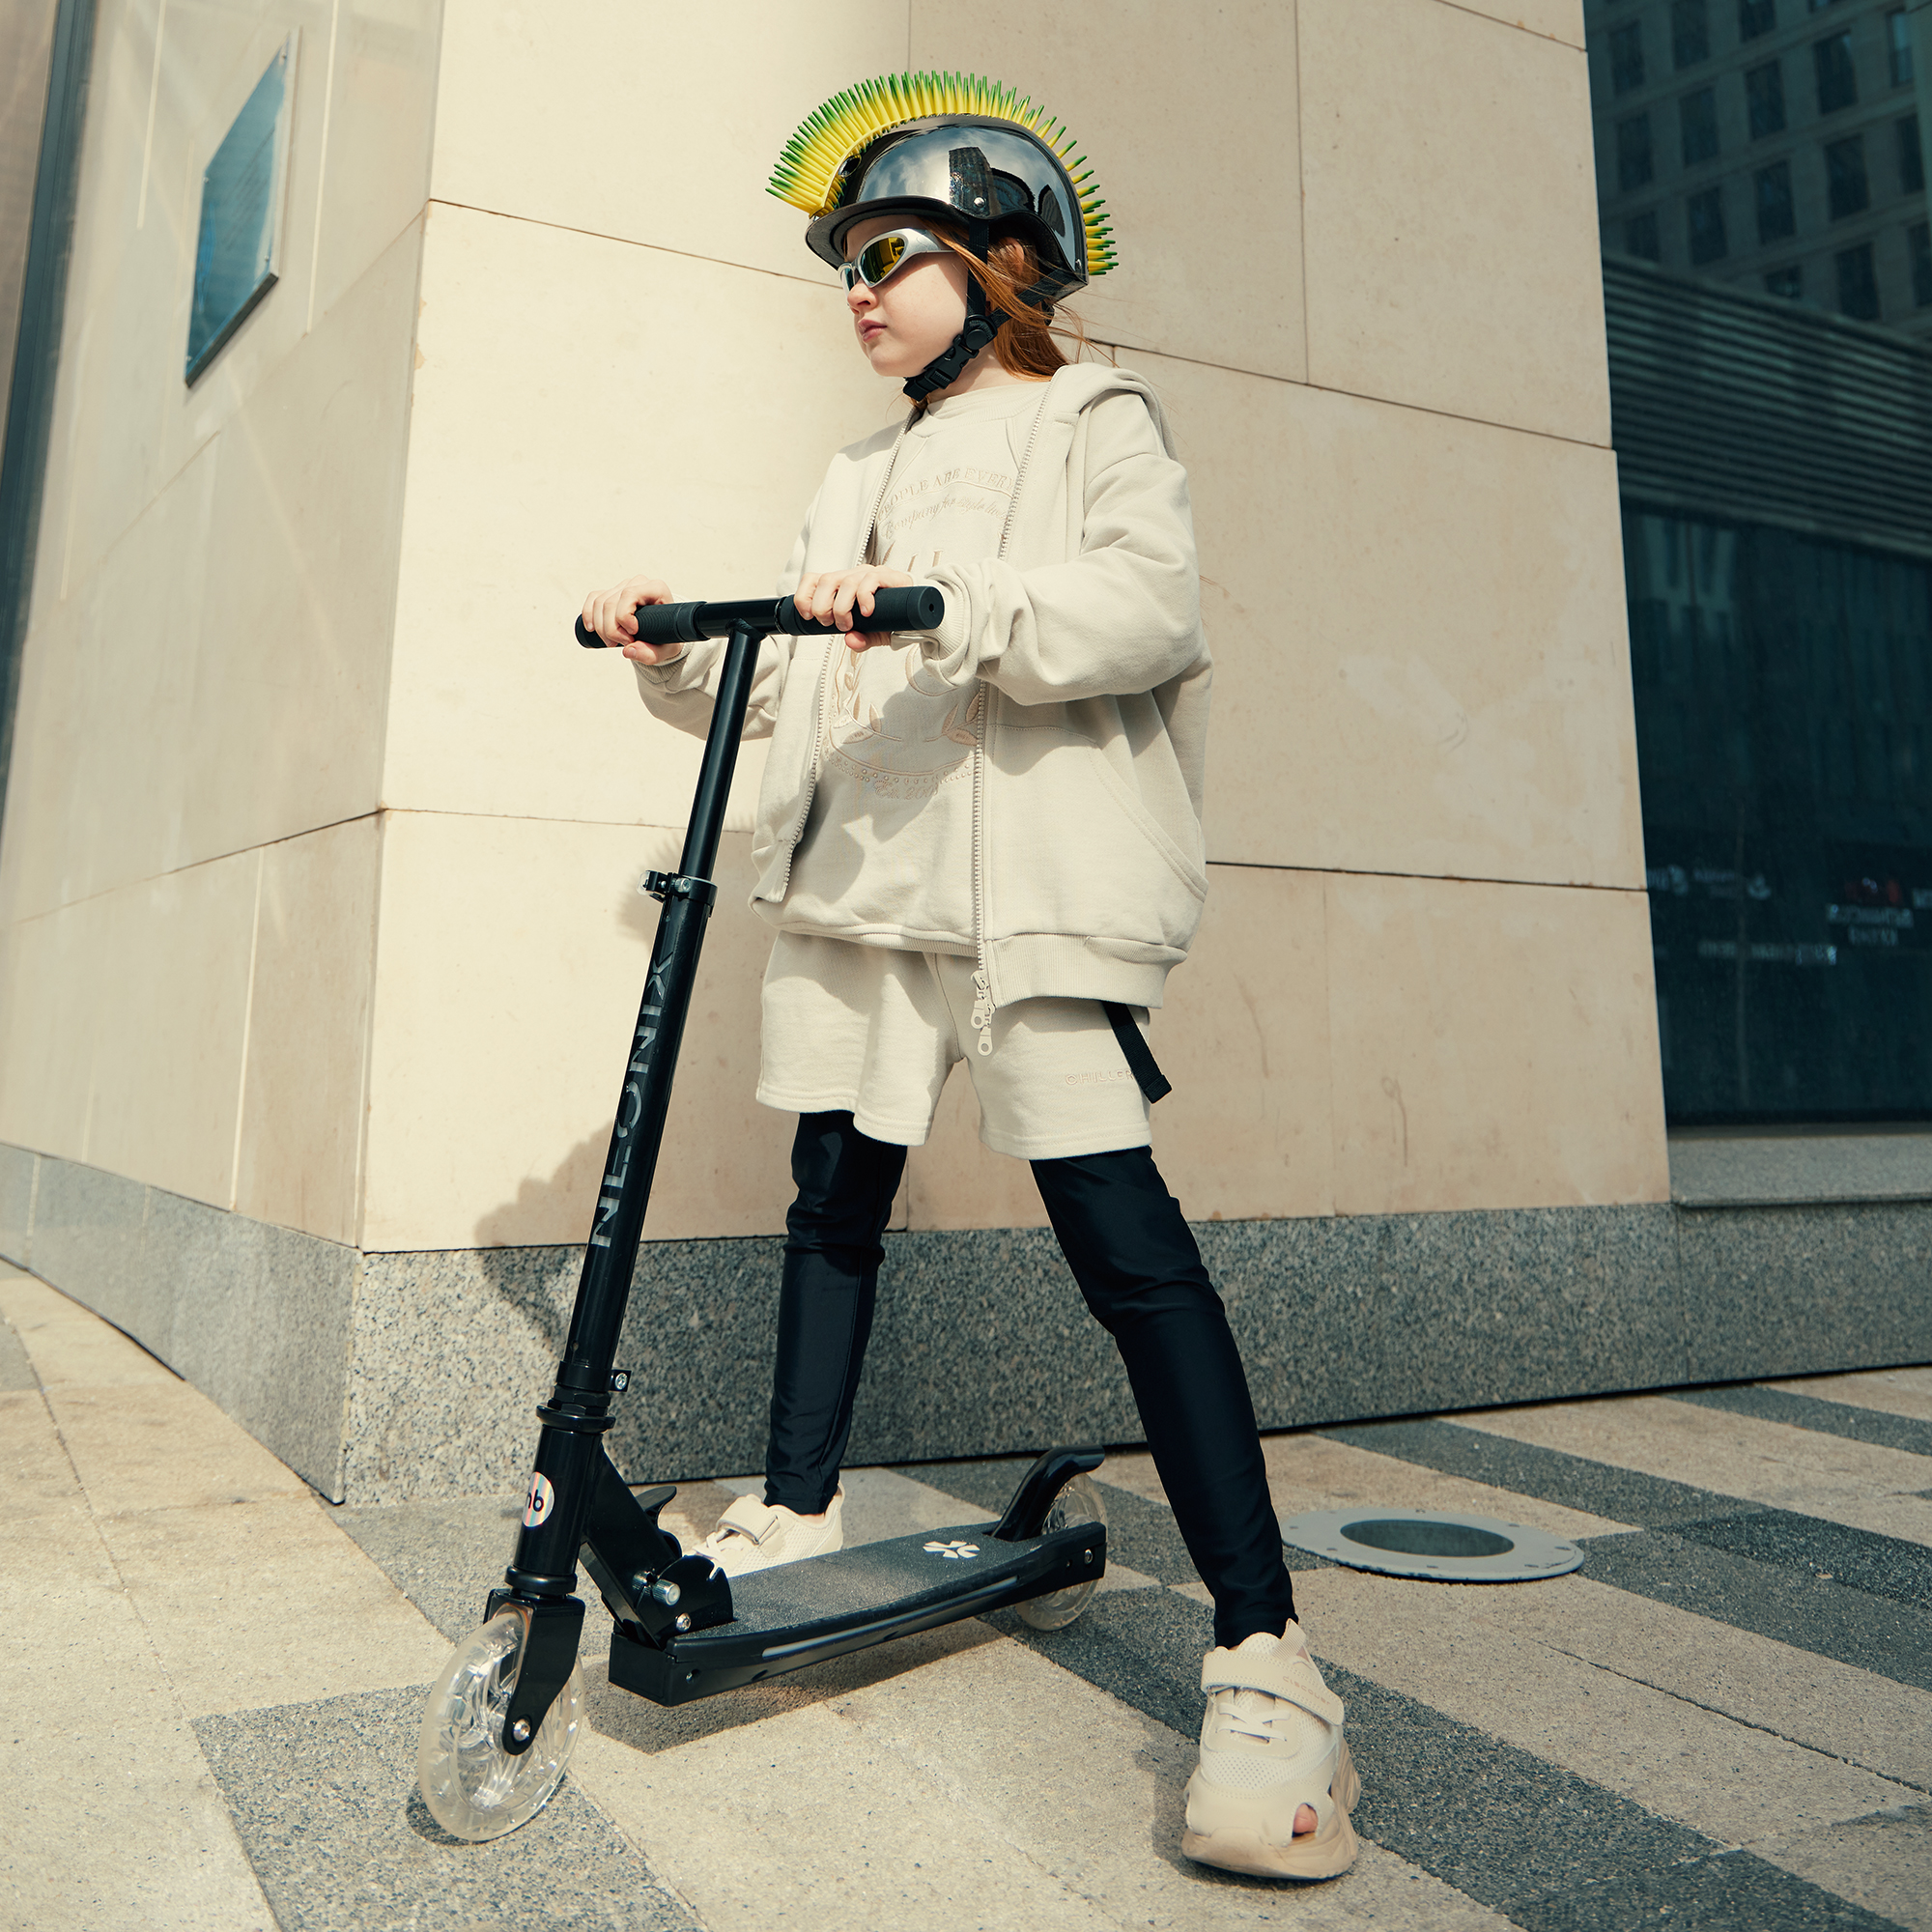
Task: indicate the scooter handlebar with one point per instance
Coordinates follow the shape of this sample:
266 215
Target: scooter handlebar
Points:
918 607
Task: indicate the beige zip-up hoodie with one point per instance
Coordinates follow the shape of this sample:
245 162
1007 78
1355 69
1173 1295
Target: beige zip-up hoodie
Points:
1089 862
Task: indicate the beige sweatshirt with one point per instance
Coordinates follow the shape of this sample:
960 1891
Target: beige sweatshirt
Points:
1088 871
887 854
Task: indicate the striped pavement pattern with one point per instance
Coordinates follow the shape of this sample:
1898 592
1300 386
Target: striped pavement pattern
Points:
1723 1720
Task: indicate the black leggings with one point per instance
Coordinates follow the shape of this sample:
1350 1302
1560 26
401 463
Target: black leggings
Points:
1141 1274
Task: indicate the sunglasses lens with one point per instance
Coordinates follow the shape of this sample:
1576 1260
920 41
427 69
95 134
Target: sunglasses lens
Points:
878 258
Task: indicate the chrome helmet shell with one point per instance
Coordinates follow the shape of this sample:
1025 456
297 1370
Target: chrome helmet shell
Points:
989 175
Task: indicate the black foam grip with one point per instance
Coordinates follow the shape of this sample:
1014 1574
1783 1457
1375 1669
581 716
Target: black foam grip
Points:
661 624
913 607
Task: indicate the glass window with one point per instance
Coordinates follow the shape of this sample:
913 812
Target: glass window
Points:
1698 120
1849 190
1627 57
1898 44
1706 226
1774 218
1782 700
1837 78
1857 283
1911 158
1777 504
1764 96
1689 32
1634 164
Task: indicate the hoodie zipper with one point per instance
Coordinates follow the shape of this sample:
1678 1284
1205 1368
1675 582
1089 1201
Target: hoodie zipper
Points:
982 984
824 677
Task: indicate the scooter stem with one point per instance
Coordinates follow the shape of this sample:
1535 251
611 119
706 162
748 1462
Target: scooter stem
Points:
578 1412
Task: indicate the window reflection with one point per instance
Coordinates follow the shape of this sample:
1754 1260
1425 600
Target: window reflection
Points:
1776 470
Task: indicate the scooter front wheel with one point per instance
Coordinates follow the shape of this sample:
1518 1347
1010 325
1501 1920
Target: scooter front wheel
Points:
1078 1502
473 1787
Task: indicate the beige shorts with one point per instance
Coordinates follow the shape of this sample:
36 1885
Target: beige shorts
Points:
874 1032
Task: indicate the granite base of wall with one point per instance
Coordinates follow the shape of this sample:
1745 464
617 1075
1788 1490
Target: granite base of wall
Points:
384 1377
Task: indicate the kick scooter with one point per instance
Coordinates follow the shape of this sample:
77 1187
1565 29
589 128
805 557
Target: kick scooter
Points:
503 1720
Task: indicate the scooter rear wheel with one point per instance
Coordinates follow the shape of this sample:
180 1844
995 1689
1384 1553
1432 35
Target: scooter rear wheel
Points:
1078 1502
473 1787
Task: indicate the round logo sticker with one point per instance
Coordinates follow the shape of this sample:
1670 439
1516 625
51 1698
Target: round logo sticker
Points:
541 1497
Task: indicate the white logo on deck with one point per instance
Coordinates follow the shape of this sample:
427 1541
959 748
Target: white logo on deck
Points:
954 1553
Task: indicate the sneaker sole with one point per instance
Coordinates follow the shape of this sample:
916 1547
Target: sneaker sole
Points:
1322 1854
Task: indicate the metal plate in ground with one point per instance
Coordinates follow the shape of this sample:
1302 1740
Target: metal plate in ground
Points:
1439 1546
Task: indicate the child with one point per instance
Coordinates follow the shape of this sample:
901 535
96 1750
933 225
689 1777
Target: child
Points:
984 844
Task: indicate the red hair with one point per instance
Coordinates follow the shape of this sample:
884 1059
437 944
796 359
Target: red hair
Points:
1025 344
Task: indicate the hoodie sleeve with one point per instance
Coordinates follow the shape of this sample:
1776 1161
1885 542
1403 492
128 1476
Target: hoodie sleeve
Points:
1123 616
684 691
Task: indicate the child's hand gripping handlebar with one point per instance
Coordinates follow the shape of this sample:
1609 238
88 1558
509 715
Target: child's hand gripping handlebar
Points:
918 607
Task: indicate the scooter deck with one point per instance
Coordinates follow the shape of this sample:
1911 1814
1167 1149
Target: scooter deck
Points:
826 1607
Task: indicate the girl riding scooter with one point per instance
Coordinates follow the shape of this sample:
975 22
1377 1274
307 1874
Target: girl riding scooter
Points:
984 843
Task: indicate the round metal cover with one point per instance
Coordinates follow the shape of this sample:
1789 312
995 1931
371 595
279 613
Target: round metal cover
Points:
1439 1546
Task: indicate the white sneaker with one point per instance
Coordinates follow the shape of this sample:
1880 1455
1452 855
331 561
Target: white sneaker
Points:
1272 1742
751 1535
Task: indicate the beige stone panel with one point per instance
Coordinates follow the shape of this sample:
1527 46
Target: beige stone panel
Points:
652 123
376 172
107 716
1244 1037
1421 655
511 960
1769 1463
1494 1046
123 1023
308 1030
130 417
33 836
1554 20
151 1448
1450 217
292 669
1890 1391
1191 124
1656 1748
71 1347
666 415
1247 1133
247 1605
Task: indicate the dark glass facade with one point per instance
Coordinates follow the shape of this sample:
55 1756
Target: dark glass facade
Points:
1768 290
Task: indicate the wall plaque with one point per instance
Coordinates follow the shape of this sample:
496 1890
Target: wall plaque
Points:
242 196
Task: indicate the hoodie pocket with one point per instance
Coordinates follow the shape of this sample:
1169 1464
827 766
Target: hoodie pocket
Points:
1071 850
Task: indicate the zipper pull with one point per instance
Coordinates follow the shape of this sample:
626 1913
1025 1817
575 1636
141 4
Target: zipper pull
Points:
983 1011
983 1002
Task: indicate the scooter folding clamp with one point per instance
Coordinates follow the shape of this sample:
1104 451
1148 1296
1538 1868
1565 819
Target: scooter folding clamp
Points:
662 886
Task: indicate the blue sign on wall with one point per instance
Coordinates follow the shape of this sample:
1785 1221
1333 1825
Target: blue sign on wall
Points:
241 214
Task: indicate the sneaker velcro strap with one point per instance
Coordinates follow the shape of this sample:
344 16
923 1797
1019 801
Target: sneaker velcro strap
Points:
749 1516
1281 1675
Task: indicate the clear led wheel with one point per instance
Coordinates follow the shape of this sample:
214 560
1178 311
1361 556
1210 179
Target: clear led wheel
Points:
473 1787
1078 1502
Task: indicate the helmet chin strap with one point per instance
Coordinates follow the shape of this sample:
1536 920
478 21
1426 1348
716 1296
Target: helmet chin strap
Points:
983 324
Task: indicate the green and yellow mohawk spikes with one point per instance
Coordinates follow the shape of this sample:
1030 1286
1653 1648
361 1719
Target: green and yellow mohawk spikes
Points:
807 175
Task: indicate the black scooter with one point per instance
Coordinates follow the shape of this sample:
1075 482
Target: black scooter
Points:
503 1718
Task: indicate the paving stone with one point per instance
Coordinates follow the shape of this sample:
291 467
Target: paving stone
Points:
1806 1411
324 1802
